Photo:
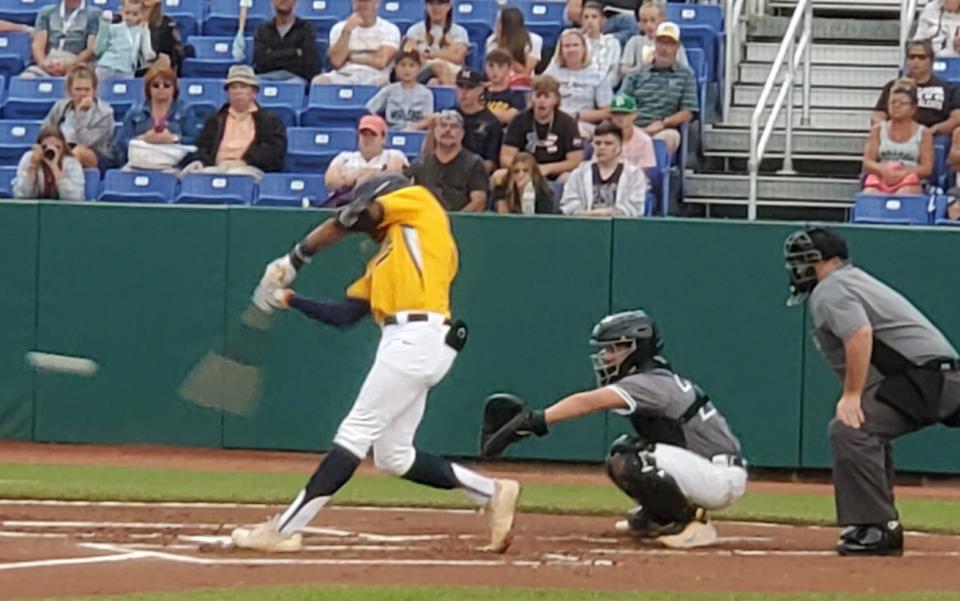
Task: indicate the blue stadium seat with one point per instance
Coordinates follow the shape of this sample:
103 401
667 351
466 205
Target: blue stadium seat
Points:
402 13
324 14
659 177
407 142
213 56
22 11
91 184
696 58
701 26
444 98
335 105
16 138
121 94
223 15
893 210
291 190
203 95
543 17
113 6
310 149
187 13
940 213
947 68
283 99
216 189
138 186
941 171
32 98
477 17
14 53
6 181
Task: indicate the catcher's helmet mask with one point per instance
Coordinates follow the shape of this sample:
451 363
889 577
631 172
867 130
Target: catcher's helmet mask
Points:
802 251
628 342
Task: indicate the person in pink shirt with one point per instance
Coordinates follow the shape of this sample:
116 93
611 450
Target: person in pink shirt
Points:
637 144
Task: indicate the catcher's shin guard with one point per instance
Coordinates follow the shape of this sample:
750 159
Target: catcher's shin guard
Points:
633 468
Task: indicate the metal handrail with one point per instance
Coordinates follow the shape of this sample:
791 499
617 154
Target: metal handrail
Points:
798 51
908 12
733 48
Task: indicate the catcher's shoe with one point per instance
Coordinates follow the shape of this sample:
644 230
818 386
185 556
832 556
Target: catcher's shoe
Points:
698 532
500 512
266 537
639 524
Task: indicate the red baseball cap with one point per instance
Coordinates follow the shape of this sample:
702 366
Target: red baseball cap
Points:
374 123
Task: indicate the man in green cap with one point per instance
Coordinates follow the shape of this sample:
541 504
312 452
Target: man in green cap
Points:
637 144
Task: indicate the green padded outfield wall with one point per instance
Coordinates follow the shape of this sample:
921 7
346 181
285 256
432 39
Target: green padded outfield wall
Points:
717 292
918 262
140 290
18 315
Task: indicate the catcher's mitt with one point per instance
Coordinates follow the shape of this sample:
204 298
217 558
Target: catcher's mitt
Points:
507 419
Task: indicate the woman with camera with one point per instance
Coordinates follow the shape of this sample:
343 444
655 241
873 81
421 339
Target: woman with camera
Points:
49 170
85 120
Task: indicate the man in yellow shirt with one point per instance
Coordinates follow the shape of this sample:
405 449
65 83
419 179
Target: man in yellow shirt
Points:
406 288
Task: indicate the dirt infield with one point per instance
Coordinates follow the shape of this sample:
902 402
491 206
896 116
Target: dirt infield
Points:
59 548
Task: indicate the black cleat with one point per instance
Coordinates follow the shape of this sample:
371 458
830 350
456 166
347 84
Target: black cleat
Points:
872 539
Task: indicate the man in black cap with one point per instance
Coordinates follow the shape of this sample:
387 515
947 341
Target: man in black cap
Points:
482 133
899 374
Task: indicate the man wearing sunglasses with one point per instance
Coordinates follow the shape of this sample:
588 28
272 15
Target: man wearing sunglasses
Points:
938 100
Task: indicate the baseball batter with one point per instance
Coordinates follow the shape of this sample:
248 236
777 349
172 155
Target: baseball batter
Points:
899 374
406 289
683 458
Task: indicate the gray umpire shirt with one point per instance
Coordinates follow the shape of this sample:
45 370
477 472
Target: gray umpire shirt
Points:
850 298
662 393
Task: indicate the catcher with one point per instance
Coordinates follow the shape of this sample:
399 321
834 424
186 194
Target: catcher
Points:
683 459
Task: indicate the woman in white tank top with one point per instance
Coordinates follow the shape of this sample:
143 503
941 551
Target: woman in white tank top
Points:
899 151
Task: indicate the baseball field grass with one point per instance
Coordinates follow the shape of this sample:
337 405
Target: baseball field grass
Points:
334 593
86 483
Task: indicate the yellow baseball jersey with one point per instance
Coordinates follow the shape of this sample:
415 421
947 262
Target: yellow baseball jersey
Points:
417 260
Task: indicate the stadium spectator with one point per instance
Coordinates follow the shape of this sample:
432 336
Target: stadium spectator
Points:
64 34
524 47
546 132
49 170
604 48
637 144
124 48
10 26
899 151
665 92
953 203
351 166
405 104
85 121
585 91
441 43
620 15
502 100
482 132
940 23
241 137
362 48
164 36
454 174
938 100
605 186
285 47
640 49
160 119
510 198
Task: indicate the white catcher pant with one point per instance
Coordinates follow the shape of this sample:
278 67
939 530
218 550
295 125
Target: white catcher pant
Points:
711 484
411 358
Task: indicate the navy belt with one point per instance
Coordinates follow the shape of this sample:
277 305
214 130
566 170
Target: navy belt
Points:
391 320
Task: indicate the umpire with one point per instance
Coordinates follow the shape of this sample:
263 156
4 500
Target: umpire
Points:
899 374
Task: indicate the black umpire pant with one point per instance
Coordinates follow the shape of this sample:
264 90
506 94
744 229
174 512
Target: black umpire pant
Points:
863 471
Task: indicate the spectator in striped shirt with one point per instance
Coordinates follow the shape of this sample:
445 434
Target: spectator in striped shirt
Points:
665 92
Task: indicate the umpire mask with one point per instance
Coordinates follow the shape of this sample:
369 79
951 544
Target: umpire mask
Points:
802 251
628 341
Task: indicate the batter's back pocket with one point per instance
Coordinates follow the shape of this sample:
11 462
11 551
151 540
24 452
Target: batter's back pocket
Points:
457 336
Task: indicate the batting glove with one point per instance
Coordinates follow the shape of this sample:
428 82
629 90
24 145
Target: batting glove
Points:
280 299
280 273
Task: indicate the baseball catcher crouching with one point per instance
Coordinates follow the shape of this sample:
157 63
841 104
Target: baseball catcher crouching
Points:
682 460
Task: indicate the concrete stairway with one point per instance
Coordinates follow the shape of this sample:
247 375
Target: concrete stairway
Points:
853 57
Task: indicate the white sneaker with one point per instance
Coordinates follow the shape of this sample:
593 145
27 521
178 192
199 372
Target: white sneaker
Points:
500 512
266 537
695 534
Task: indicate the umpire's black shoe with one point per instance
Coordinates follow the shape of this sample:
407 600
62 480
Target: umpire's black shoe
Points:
872 539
